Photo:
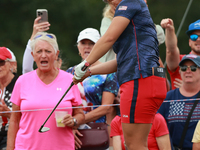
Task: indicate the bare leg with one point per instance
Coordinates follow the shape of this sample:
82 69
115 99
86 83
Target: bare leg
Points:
136 135
109 118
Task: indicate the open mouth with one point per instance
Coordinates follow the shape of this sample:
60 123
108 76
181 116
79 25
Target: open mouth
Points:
198 45
87 53
44 63
188 77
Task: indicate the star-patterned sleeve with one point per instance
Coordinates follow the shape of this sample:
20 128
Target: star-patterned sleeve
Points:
111 84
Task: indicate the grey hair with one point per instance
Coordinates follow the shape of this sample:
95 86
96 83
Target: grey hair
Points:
45 37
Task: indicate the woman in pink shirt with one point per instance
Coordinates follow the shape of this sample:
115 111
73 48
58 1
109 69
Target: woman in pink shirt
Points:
42 89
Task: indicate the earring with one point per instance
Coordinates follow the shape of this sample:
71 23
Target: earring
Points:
79 53
11 69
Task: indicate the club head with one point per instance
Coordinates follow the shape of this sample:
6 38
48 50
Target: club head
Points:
44 129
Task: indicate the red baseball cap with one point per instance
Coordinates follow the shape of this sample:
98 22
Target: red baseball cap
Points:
5 53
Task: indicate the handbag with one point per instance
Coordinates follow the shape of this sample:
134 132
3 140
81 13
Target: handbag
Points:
186 125
96 138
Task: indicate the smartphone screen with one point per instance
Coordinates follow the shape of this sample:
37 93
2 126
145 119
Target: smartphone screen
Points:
43 13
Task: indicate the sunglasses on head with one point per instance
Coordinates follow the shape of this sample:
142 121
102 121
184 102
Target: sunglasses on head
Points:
48 35
194 37
192 68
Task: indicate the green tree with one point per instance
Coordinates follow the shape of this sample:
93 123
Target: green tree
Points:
69 17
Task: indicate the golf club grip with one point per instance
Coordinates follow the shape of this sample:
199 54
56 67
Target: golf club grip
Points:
84 68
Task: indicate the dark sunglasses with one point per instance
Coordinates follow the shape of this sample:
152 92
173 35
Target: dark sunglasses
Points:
192 68
48 35
194 37
2 62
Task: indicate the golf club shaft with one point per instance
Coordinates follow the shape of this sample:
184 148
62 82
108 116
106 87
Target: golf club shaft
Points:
56 106
83 69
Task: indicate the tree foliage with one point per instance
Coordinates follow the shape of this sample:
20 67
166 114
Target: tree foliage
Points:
69 17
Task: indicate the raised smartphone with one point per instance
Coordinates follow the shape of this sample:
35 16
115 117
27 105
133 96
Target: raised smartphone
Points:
43 13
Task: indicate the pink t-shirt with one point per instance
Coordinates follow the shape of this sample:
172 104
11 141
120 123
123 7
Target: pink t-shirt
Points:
31 93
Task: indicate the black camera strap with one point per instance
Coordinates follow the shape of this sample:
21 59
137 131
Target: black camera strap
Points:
187 122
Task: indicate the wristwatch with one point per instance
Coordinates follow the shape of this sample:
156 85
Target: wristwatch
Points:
75 121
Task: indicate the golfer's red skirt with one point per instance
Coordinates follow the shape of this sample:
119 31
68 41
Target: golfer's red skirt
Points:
141 98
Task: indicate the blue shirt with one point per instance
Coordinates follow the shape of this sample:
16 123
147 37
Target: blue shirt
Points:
175 114
137 47
94 87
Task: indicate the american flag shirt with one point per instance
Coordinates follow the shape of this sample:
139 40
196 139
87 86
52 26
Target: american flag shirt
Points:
176 112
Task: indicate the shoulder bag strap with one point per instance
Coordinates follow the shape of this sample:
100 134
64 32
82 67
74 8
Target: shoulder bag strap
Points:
187 122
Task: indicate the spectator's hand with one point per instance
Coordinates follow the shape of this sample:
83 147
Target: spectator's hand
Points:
178 83
78 142
167 23
3 107
39 27
68 121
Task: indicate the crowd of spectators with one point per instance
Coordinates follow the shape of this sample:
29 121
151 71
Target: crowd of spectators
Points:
152 124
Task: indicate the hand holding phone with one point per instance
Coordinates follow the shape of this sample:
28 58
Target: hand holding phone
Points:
43 13
40 24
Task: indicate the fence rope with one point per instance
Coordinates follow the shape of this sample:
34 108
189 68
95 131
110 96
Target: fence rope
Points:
165 101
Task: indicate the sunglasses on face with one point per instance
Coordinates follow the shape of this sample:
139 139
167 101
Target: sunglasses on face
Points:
192 68
194 37
2 62
48 35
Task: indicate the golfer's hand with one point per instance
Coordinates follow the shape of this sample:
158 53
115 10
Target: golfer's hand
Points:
79 73
87 74
178 83
78 142
68 121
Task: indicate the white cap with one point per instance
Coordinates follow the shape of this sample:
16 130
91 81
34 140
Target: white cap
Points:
13 59
90 34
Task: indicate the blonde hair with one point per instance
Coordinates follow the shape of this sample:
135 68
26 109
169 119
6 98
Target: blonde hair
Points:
48 37
108 12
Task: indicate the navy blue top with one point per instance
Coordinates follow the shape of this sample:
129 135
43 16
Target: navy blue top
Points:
137 47
175 114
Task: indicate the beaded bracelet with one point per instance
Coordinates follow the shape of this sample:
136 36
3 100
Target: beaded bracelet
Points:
90 72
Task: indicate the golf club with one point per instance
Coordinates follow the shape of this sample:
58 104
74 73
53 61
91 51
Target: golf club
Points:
45 129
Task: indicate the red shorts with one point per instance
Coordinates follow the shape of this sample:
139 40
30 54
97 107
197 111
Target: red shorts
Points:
141 98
